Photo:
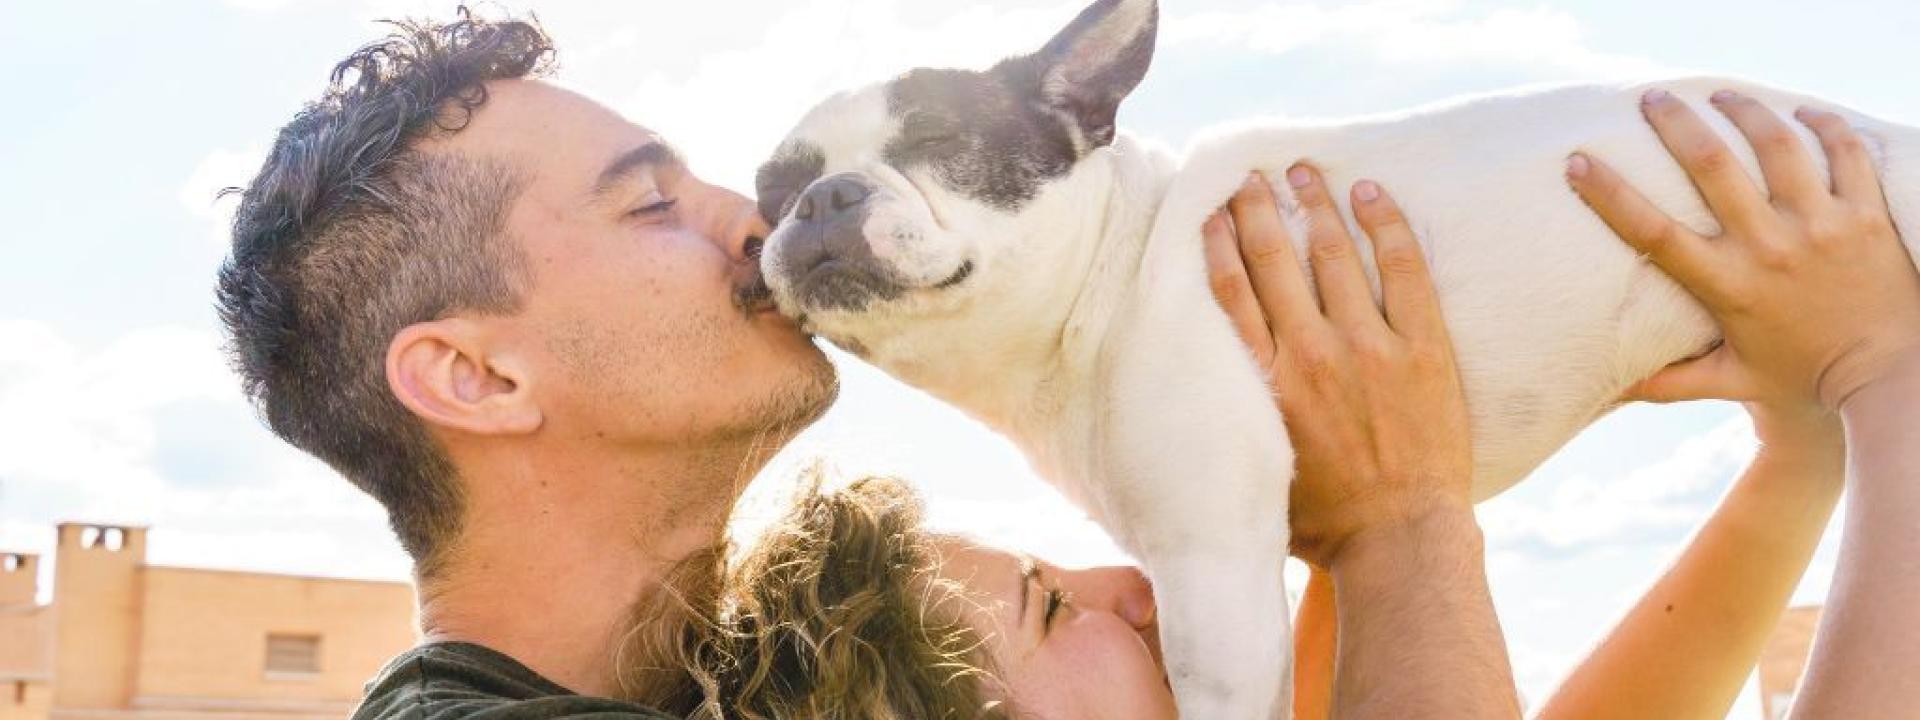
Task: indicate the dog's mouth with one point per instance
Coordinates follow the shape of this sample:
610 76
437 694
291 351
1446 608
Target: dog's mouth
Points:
959 276
752 295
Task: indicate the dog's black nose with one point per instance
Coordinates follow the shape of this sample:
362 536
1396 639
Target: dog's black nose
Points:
832 197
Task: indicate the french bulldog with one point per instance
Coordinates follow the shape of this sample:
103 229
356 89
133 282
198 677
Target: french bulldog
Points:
990 237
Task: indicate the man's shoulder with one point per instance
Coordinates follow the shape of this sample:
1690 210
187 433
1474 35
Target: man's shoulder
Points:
461 681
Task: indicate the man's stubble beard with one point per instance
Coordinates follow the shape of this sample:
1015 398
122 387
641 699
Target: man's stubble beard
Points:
781 414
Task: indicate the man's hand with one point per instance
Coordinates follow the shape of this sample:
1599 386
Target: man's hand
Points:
1809 282
1372 398
1376 413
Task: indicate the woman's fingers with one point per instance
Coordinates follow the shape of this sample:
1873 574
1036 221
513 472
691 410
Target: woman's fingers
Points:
1714 376
1715 170
1406 286
1232 289
1671 246
1266 248
1785 162
1854 177
1337 270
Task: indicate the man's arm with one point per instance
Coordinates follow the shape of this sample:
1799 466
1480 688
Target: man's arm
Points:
1418 636
1687 647
1378 419
1819 303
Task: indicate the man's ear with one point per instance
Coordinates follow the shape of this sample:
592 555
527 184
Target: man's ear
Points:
1094 63
441 371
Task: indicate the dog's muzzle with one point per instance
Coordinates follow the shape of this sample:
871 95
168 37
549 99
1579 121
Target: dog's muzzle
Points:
825 257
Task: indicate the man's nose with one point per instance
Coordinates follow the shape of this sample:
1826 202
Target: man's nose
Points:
831 198
1123 591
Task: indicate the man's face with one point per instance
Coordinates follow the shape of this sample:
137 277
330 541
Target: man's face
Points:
645 323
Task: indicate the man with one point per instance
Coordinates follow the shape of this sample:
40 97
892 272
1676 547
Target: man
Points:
524 327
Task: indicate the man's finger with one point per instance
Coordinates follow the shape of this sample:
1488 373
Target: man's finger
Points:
1785 161
1266 247
1337 270
1671 246
1715 170
1406 287
1231 289
1854 176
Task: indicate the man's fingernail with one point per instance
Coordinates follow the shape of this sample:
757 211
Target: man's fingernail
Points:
1656 96
1578 165
1299 177
1724 96
1807 114
1366 191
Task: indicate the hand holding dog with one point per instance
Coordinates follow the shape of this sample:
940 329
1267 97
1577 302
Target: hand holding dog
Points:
1372 397
1378 419
1810 284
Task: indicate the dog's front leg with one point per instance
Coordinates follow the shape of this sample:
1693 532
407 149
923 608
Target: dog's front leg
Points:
1198 491
1224 627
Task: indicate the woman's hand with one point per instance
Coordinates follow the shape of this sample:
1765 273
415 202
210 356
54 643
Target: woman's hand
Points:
1373 400
1809 282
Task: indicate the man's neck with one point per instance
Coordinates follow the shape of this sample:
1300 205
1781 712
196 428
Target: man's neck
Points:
557 548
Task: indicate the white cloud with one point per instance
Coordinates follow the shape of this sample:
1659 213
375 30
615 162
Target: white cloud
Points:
1414 32
1656 502
258 5
200 194
151 429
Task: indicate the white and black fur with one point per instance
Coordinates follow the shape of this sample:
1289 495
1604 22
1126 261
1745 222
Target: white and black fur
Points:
987 236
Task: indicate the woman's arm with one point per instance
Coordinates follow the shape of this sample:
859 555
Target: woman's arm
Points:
1379 425
1687 647
1314 642
1866 654
1820 306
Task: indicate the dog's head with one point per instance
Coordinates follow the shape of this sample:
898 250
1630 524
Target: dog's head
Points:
904 199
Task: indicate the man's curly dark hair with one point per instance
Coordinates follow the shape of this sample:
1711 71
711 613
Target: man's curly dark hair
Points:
349 234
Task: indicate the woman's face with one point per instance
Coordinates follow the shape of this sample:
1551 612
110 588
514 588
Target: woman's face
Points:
1066 644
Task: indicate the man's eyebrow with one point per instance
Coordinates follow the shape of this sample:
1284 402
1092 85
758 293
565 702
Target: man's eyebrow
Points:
651 155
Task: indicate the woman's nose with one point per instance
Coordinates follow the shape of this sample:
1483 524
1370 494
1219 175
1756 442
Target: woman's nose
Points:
1123 591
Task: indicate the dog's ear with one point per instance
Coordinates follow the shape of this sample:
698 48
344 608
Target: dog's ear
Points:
1093 64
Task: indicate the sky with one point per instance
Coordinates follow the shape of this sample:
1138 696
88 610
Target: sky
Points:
116 404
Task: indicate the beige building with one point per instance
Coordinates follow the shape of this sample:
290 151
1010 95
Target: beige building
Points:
1785 659
124 640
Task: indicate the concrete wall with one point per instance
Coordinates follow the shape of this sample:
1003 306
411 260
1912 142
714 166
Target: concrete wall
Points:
23 699
26 629
204 637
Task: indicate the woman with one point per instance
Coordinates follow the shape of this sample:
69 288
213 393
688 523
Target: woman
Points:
847 608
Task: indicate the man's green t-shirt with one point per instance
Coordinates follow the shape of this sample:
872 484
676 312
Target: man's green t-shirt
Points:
463 681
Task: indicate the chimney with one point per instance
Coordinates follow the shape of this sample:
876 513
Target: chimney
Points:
19 578
97 589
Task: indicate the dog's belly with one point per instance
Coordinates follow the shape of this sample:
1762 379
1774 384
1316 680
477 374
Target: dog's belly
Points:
1553 316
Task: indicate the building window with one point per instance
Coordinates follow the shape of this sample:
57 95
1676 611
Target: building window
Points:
293 654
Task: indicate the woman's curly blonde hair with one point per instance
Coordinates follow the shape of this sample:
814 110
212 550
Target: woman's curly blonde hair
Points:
833 613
